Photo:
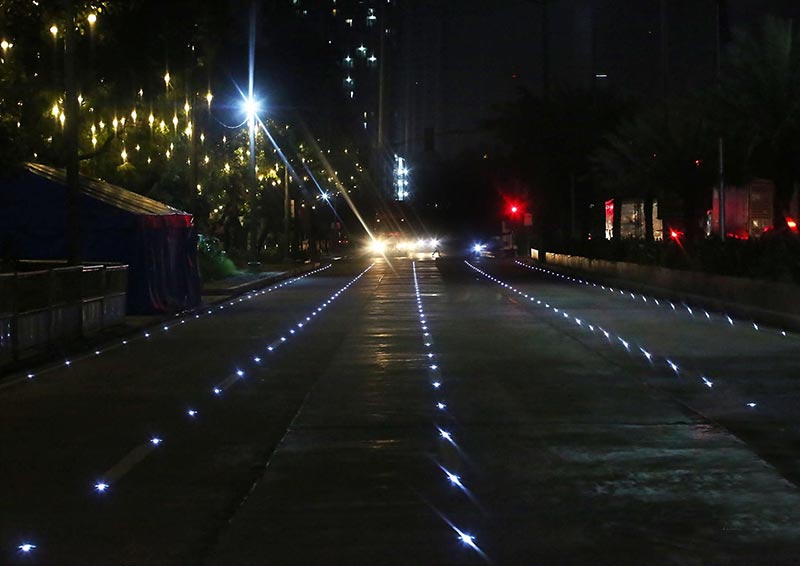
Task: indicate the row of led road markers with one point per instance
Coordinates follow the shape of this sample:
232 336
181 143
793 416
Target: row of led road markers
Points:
181 319
695 313
438 384
630 345
110 477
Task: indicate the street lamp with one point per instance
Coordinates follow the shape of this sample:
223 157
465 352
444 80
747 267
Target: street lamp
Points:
251 108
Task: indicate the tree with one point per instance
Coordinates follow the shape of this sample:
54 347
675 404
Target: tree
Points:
664 153
758 104
550 141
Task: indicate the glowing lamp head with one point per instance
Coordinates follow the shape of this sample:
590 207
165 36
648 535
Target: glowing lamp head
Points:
92 18
26 547
100 487
514 209
250 107
155 441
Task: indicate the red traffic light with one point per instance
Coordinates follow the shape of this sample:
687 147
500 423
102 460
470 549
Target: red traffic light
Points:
514 208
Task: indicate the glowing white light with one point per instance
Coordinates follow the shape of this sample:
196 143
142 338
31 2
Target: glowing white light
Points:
66 363
436 384
708 383
434 366
441 406
217 391
191 413
155 441
672 366
30 376
454 479
26 547
147 335
751 405
100 486
257 360
755 326
446 435
647 354
466 539
251 107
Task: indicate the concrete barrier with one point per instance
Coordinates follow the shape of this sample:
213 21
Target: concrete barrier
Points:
769 302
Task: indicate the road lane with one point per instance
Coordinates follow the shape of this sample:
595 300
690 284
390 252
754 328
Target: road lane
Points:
427 406
741 375
62 431
562 450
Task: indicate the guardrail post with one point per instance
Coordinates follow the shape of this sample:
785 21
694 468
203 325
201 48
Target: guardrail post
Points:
51 323
15 318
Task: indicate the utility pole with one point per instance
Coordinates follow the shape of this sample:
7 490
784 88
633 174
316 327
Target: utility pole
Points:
721 11
286 211
545 49
71 119
664 50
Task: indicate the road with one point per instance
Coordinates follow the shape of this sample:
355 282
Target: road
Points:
401 412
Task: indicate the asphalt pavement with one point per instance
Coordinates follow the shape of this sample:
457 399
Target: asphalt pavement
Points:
407 412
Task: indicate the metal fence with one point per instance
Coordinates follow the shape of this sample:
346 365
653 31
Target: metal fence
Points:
40 308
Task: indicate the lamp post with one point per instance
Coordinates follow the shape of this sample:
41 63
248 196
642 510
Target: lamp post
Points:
251 108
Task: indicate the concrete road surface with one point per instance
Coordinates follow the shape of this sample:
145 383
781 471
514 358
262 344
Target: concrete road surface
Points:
407 412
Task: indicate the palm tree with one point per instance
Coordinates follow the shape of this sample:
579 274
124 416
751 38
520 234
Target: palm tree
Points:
758 104
660 153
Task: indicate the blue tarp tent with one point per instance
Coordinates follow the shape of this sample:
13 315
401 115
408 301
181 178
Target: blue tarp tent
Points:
158 242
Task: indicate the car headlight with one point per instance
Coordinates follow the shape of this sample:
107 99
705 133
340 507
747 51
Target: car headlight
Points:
378 247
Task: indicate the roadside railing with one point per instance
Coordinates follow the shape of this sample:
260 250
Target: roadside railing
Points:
44 307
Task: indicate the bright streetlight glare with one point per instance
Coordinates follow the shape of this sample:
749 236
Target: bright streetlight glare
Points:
251 107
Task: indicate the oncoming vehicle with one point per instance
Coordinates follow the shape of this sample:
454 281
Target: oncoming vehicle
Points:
395 245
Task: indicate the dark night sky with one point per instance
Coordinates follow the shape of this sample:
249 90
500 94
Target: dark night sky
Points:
466 56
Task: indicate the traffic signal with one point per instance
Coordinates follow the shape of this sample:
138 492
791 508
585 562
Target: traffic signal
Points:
514 209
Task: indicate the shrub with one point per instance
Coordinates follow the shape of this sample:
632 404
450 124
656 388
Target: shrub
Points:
214 262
